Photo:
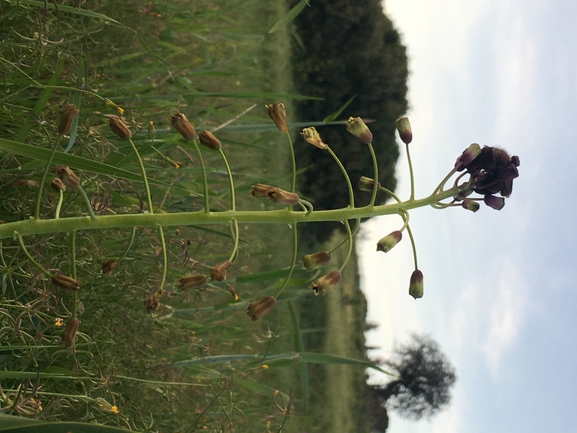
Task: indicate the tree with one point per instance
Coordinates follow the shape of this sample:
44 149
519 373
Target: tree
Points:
424 379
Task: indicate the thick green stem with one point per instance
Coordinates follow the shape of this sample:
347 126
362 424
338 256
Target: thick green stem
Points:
34 227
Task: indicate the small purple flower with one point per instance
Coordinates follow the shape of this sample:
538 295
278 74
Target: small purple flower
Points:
496 203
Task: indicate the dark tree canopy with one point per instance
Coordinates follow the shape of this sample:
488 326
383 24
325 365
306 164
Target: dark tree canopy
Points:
343 49
425 379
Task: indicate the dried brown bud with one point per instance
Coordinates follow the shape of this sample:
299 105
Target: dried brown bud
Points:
191 281
24 182
151 303
277 113
65 282
182 125
257 310
311 136
387 243
57 185
218 272
416 284
108 265
208 139
68 177
359 129
232 292
69 334
274 194
324 283
316 260
119 127
69 113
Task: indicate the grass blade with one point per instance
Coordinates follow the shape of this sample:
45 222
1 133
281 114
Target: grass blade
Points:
16 424
290 15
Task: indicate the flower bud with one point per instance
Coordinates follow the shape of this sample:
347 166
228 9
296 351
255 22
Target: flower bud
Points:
367 184
387 243
274 194
311 136
108 265
257 310
151 303
468 155
232 291
416 284
57 185
65 282
68 177
191 281
404 129
359 129
119 127
69 113
316 260
151 130
324 283
208 139
471 205
496 203
182 125
277 113
218 272
69 334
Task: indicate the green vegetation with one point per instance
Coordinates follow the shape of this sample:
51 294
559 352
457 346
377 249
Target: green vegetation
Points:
131 255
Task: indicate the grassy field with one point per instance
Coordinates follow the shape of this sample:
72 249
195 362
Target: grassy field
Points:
178 367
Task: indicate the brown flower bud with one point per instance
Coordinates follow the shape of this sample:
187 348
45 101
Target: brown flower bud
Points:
416 284
277 113
57 185
232 291
69 334
359 129
218 272
108 265
324 283
68 177
257 310
274 194
191 281
208 139
24 182
119 127
367 184
316 260
151 303
69 113
311 136
387 243
182 125
404 129
65 282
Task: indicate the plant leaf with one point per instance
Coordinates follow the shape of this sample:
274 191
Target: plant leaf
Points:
289 16
16 424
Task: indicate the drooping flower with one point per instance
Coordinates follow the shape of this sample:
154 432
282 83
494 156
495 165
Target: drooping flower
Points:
321 285
257 310
277 113
191 281
218 272
69 113
316 260
65 282
274 194
69 334
119 127
68 177
208 139
367 184
387 243
182 125
404 129
359 129
311 136
416 284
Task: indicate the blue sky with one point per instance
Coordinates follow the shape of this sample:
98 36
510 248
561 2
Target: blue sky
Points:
500 292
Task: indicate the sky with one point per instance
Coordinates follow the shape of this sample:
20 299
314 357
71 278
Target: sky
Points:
500 294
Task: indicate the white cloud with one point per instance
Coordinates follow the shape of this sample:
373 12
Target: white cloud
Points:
506 318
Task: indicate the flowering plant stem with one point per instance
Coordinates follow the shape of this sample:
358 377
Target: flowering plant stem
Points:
284 216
